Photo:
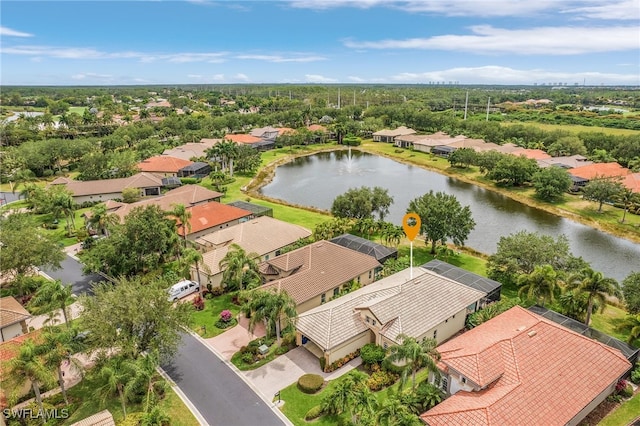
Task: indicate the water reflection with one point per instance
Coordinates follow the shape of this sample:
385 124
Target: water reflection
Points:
317 179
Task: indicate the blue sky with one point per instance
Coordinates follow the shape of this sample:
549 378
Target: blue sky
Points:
320 41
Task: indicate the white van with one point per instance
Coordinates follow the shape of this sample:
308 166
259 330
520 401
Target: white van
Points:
182 289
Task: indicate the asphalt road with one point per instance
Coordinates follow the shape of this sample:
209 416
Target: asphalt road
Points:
213 387
8 197
71 272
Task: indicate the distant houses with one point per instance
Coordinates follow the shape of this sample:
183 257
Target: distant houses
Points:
163 165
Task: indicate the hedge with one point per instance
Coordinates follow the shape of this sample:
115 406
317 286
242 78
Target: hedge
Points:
313 413
310 383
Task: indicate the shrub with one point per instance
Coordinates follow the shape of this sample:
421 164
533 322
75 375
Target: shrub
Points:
391 367
226 315
323 363
281 350
189 180
310 383
621 385
627 392
216 291
381 379
248 358
288 339
313 413
222 325
133 419
635 375
372 354
198 303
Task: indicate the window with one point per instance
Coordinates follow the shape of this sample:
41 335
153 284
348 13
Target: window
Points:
435 334
444 385
370 273
266 257
323 298
336 291
373 322
463 380
384 345
368 319
358 280
278 252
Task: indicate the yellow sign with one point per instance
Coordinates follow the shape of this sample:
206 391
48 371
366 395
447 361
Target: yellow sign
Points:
411 225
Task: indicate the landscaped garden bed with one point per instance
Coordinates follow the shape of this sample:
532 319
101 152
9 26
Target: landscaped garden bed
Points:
206 321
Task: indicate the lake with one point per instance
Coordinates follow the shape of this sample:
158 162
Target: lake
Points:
317 179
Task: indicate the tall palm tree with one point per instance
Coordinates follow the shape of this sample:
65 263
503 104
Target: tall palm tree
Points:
115 373
347 395
627 198
633 322
394 413
143 371
100 219
239 268
541 284
28 366
392 234
183 215
192 256
20 177
53 295
274 307
57 347
415 355
597 286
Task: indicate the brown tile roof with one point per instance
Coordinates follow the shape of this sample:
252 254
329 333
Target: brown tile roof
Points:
191 150
632 182
316 128
400 131
107 186
243 138
205 216
261 235
11 312
596 170
103 418
322 266
571 161
546 373
533 154
163 164
283 130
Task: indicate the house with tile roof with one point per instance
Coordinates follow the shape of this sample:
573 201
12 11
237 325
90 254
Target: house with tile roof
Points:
212 216
566 162
9 349
520 368
318 272
148 184
263 235
425 305
163 165
582 175
13 318
632 182
388 135
191 150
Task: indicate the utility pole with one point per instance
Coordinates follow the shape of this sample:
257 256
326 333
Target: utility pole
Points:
466 105
488 103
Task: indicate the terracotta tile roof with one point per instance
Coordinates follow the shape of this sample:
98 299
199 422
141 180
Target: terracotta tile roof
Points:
11 312
10 348
632 181
547 373
261 235
107 186
163 164
316 128
533 154
283 130
596 170
243 138
191 150
322 266
205 216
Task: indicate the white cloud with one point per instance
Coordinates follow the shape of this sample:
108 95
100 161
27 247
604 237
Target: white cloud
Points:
241 77
315 78
8 32
534 41
492 74
91 75
278 58
356 79
206 78
620 10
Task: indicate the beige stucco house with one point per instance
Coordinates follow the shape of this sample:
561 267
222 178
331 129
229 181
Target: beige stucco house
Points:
263 235
316 273
148 184
13 319
425 306
389 135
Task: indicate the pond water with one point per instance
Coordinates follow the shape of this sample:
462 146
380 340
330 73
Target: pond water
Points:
317 179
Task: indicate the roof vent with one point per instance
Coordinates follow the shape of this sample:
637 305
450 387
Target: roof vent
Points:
521 328
532 333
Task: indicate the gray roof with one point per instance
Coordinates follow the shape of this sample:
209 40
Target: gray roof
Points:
256 209
465 277
378 251
195 166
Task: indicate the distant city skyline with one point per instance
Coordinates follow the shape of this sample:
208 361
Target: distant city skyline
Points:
510 42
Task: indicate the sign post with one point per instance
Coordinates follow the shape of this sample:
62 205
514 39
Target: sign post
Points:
411 226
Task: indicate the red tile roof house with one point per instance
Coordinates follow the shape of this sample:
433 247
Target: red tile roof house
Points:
583 174
13 319
316 273
163 165
212 216
109 189
520 368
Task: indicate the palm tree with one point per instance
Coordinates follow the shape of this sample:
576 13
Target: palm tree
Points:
633 322
429 394
272 307
239 268
183 215
349 392
597 286
58 346
627 198
116 372
100 219
541 284
20 177
415 355
392 234
28 366
394 413
143 371
193 256
53 295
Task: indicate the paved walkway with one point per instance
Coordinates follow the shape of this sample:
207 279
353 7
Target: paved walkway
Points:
287 369
55 317
230 342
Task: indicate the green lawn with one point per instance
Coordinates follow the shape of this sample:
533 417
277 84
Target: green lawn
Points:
421 255
624 414
83 397
211 313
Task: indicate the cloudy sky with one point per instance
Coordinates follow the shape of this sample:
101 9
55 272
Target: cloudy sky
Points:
320 41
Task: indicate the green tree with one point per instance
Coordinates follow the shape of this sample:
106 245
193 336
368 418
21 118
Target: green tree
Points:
57 347
356 203
429 395
119 321
115 374
130 195
513 170
331 228
463 157
28 366
348 395
551 182
53 295
631 291
183 216
573 304
271 306
393 412
488 160
100 220
391 234
191 256
240 269
25 247
567 145
540 285
414 355
627 198
601 190
248 159
442 217
597 286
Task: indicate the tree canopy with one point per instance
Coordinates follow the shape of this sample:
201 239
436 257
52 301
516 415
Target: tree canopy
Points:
362 203
551 183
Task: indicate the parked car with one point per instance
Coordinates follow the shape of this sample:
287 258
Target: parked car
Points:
182 289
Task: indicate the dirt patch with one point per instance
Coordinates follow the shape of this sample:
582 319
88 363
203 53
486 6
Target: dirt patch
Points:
600 412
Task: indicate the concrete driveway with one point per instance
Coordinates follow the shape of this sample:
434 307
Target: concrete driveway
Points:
230 342
287 369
